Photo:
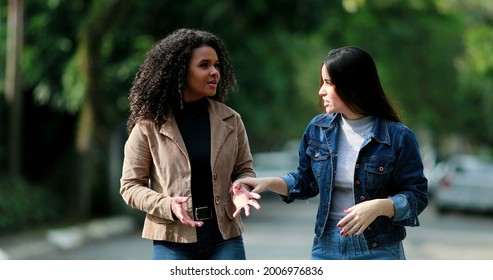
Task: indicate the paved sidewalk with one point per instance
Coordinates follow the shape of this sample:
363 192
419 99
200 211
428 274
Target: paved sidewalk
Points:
29 245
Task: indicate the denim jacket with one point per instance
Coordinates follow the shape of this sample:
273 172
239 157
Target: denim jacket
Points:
388 165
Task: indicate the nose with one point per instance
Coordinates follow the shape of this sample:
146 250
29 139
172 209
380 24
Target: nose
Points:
214 71
322 91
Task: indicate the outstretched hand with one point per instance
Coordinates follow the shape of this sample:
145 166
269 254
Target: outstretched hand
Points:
181 214
242 198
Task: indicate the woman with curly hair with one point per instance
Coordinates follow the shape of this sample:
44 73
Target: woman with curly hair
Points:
185 148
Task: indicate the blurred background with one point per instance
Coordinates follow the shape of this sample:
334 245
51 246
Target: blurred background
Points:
66 67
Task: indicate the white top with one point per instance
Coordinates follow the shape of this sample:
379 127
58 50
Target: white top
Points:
351 136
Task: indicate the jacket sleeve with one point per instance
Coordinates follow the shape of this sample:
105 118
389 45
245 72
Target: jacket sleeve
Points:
244 161
410 179
302 183
134 183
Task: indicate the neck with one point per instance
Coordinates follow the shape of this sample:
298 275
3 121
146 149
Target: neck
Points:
352 116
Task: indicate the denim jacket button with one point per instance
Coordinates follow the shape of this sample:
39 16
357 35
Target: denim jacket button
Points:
357 182
362 198
374 245
357 165
381 169
217 199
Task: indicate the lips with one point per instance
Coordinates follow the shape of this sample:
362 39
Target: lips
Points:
212 83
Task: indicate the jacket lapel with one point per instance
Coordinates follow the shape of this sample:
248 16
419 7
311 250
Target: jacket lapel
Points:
170 129
219 127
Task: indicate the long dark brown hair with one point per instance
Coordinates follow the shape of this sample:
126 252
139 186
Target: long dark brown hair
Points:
354 74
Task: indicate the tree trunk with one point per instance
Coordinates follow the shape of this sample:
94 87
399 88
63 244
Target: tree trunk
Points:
13 91
92 137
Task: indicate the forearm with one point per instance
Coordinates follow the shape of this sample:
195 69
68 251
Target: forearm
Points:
277 185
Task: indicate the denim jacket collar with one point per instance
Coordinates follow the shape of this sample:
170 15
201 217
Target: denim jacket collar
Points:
380 131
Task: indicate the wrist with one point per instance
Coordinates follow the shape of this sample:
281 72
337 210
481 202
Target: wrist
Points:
390 207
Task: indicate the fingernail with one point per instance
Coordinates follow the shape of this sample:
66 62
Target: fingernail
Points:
347 234
342 232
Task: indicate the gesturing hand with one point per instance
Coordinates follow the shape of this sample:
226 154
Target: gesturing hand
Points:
181 214
361 215
242 198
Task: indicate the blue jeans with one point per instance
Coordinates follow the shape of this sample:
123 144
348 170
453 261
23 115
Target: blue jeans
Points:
334 246
231 249
210 246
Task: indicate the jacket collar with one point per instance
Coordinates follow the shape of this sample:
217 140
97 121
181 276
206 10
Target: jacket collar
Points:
380 131
218 114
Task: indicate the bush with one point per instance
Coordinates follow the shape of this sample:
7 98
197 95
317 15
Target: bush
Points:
25 206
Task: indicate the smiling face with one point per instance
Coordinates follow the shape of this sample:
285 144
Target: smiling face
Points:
331 100
203 74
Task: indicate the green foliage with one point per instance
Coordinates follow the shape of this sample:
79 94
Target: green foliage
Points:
434 58
26 206
476 79
417 69
50 42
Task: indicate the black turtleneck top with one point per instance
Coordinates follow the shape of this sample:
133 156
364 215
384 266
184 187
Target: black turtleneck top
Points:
194 124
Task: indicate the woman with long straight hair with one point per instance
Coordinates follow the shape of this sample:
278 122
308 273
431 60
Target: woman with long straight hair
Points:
361 160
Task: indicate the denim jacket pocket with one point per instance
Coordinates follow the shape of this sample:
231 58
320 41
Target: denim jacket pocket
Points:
378 173
318 154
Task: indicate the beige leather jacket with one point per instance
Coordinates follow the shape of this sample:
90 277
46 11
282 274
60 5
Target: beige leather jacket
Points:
156 168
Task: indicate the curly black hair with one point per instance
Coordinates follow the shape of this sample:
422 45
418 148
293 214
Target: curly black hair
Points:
157 90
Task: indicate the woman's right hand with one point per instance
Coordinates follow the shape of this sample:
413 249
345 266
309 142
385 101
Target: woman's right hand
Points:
181 214
243 198
259 185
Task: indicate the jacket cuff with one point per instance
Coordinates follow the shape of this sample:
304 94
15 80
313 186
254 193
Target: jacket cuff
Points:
402 210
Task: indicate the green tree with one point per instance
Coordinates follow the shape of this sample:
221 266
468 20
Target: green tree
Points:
80 58
475 70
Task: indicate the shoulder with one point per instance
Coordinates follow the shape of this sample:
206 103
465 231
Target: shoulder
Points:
324 120
400 132
144 127
398 127
222 110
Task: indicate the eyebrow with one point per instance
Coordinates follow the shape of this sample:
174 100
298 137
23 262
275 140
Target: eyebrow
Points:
206 60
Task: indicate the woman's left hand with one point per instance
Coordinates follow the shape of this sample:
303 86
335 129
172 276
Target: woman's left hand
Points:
361 215
242 198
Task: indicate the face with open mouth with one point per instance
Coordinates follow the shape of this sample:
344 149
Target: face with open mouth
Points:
331 99
203 74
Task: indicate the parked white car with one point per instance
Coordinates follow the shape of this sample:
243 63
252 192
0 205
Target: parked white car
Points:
465 185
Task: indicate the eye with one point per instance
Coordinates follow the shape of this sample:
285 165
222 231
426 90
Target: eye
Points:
329 82
217 66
